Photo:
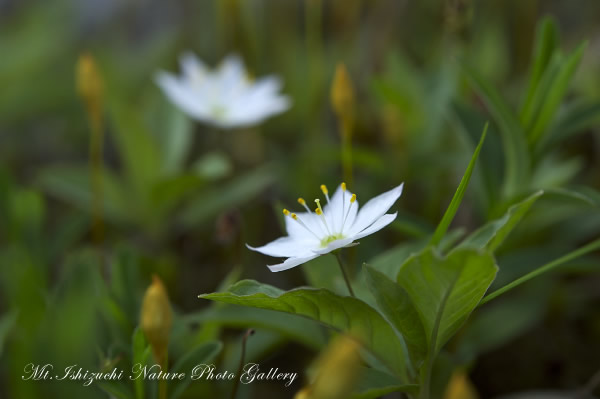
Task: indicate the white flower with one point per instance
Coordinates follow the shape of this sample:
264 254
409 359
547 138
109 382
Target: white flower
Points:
223 97
335 226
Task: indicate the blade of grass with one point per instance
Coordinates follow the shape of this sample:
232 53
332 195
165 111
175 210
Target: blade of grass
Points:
514 143
458 195
558 89
594 245
545 43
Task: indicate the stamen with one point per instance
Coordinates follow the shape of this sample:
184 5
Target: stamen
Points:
326 192
343 205
319 211
303 203
352 200
297 219
286 212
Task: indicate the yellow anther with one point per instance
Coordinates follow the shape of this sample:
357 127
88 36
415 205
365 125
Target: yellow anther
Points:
294 216
301 201
343 186
324 189
318 211
353 198
286 212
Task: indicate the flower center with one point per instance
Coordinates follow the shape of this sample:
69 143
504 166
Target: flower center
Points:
329 239
328 232
219 111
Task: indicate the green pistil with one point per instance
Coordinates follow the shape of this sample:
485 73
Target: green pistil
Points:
329 239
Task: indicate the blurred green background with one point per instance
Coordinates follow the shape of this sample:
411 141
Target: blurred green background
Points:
181 199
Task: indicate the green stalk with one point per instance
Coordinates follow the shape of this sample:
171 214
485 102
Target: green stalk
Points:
338 256
592 246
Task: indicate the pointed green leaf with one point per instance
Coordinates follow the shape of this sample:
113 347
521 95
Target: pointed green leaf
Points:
546 42
396 305
446 290
341 313
491 235
556 92
440 231
516 167
141 354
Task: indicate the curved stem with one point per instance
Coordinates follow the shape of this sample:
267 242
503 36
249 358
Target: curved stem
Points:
236 384
338 256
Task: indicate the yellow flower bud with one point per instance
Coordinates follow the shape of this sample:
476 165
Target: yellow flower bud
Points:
342 97
460 387
89 84
338 371
156 319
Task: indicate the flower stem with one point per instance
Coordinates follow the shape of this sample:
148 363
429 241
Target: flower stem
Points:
236 384
338 256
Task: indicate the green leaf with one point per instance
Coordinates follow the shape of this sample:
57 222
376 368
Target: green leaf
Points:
440 231
446 290
556 92
174 132
304 331
341 313
141 353
231 194
390 261
7 323
201 354
592 246
374 383
492 235
138 149
396 305
516 166
575 118
546 42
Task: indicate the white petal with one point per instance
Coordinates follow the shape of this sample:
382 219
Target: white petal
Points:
292 262
193 68
182 96
374 209
231 78
337 209
378 225
295 229
334 245
285 247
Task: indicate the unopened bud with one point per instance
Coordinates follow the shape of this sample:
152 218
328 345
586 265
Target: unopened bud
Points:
156 319
460 387
338 371
342 97
89 84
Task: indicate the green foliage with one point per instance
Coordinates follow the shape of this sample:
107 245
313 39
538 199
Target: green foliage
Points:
341 313
458 196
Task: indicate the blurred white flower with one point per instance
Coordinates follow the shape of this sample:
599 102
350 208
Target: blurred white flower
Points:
337 225
224 97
